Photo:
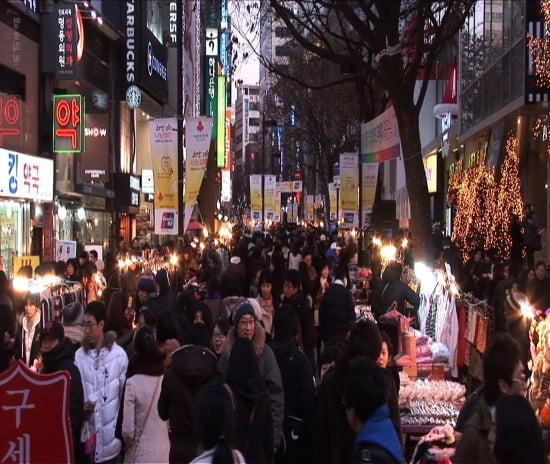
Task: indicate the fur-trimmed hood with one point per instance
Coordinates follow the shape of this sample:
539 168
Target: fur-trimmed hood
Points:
109 340
258 340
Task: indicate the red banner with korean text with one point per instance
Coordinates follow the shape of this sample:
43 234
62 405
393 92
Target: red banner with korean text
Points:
34 416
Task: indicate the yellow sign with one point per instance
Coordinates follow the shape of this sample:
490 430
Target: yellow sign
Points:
430 166
20 261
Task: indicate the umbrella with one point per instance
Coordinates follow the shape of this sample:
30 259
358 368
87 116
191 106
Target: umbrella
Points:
195 225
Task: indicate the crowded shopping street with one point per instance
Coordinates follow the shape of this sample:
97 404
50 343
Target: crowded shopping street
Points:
275 232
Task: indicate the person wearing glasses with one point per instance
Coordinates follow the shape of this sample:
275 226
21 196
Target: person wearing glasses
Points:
503 373
102 365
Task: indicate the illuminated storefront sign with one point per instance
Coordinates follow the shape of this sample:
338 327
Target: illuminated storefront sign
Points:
95 155
27 176
173 22
10 117
66 41
67 123
220 123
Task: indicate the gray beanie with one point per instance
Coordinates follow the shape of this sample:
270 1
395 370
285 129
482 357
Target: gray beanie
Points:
73 314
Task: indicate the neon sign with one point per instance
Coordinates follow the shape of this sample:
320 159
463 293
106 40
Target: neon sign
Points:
10 116
67 124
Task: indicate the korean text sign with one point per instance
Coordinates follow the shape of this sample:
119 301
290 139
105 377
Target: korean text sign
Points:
26 176
67 123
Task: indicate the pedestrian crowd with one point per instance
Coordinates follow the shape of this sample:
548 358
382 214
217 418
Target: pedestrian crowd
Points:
245 353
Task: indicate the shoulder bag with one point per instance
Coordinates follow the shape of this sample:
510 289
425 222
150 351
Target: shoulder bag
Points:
130 451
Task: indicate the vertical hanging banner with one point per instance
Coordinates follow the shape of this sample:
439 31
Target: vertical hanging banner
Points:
349 189
310 199
164 151
370 178
198 134
220 124
270 191
333 197
277 208
256 197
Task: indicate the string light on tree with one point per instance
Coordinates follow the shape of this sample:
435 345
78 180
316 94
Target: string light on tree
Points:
485 207
540 49
541 130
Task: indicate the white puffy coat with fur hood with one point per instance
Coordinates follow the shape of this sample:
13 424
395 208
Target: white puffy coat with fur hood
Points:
103 374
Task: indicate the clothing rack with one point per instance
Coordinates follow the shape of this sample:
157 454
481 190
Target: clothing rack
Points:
54 298
479 321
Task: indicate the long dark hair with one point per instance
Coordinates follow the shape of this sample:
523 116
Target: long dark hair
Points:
214 421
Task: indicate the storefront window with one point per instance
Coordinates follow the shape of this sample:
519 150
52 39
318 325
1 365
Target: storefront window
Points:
11 226
87 227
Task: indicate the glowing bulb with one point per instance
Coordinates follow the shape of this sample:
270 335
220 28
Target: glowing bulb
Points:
388 252
61 213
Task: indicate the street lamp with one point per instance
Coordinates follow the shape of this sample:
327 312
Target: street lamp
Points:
265 123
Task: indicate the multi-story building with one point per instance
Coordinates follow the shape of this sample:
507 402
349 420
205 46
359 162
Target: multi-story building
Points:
498 95
246 132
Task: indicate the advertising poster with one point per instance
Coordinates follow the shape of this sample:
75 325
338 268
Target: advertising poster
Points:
198 133
333 197
164 152
370 178
270 191
256 197
349 189
380 139
310 200
65 249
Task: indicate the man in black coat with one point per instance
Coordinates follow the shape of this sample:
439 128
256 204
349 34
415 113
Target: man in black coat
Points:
336 438
336 310
294 296
192 368
166 298
58 355
299 390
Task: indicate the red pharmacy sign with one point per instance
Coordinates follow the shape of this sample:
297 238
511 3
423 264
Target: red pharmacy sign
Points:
10 117
67 123
34 416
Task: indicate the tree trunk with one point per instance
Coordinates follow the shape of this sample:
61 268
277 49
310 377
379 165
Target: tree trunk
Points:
417 187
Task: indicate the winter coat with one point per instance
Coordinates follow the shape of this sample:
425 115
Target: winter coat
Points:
393 289
477 443
191 369
307 321
336 311
103 374
336 438
270 373
61 358
166 299
378 437
19 347
299 392
153 442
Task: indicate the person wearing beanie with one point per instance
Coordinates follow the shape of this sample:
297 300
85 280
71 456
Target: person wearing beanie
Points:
72 318
58 355
147 294
247 325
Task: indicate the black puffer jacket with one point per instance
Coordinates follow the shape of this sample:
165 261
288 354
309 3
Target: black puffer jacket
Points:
192 368
61 358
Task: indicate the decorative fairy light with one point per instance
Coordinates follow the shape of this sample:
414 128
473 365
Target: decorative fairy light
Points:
485 206
540 49
542 129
